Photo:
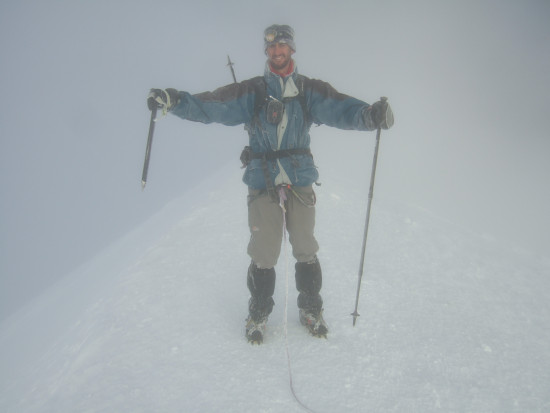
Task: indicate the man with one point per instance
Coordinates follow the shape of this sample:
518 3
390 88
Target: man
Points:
278 110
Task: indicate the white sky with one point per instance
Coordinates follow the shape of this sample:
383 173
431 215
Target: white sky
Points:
469 82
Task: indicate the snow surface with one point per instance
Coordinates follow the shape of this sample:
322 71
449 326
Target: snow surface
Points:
451 321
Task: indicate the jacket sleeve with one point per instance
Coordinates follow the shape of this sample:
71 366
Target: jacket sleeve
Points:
229 105
329 107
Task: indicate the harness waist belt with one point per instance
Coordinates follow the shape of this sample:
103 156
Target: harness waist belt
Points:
283 153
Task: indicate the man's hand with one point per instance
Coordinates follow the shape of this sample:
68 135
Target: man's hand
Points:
379 115
164 99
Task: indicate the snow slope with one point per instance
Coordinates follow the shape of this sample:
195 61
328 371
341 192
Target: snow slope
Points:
451 321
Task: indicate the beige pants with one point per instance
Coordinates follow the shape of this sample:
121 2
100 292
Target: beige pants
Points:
265 219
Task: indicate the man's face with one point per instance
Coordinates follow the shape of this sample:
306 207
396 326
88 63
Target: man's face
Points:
279 55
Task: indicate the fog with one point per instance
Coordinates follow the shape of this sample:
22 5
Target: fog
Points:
469 83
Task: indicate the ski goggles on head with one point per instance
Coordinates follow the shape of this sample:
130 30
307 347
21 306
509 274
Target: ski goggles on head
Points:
279 34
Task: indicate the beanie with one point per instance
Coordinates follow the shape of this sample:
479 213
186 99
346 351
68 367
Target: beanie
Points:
278 33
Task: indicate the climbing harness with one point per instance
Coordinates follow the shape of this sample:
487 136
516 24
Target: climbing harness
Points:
247 155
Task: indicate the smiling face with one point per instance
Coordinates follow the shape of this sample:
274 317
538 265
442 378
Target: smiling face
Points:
279 56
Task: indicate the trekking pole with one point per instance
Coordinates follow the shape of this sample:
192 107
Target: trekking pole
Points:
355 314
148 148
230 64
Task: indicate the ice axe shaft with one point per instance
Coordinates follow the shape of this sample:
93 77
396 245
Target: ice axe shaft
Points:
148 148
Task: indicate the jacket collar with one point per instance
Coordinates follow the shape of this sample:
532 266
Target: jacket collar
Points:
275 81
288 72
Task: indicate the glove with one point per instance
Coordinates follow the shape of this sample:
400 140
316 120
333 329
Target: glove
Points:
379 115
164 99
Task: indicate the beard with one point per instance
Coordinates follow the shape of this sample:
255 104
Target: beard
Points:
280 62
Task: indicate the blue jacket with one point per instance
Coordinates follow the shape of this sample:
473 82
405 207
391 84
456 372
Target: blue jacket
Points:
234 104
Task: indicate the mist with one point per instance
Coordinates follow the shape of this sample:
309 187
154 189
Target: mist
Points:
468 82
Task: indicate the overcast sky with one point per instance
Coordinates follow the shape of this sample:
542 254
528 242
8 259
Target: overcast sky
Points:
469 82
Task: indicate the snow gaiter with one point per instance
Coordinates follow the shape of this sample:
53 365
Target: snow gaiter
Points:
309 280
261 283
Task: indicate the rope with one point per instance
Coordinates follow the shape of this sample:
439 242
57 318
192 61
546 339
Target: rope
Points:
282 199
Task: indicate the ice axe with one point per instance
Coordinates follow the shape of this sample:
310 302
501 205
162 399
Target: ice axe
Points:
152 129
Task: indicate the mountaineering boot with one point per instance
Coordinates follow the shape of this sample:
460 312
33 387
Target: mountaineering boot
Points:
314 323
309 280
261 283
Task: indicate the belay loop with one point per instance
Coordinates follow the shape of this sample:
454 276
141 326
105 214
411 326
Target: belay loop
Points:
283 199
